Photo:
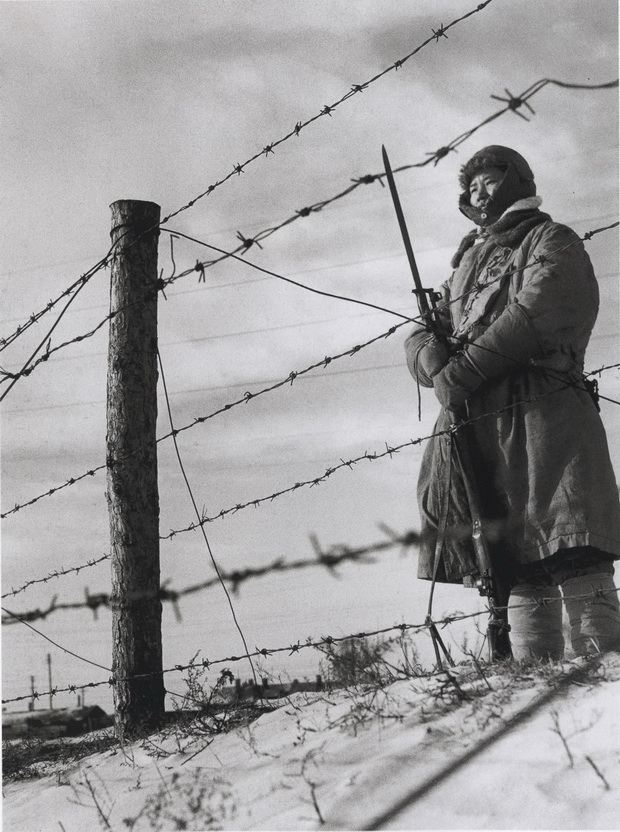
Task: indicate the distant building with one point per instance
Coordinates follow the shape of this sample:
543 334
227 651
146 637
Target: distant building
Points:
59 722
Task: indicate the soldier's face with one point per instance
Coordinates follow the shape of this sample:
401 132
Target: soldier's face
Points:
483 185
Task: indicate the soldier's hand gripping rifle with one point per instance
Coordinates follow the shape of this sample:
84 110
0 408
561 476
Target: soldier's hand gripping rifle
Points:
488 586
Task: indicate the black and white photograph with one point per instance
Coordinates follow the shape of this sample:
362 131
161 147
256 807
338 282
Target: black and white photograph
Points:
310 415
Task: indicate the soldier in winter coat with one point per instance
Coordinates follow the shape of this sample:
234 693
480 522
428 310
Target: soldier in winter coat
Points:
519 310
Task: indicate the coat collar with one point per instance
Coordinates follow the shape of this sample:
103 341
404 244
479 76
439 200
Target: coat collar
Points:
509 230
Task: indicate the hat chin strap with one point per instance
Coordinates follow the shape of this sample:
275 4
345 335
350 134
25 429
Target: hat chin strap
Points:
482 217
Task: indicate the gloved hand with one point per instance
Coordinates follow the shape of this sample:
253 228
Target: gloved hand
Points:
433 357
456 382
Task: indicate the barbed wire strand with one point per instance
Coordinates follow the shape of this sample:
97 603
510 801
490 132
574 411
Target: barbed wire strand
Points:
329 109
28 368
35 316
293 375
25 370
55 643
268 149
195 507
294 648
289 279
56 574
328 559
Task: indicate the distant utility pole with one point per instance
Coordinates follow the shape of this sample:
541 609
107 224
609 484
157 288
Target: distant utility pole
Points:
133 497
49 679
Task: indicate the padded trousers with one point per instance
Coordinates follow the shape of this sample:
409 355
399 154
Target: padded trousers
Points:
535 618
593 610
593 613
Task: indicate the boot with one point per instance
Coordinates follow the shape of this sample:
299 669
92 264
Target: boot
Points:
500 645
536 629
595 618
498 629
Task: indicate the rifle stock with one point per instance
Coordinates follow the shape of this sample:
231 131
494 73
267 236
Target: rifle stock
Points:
487 582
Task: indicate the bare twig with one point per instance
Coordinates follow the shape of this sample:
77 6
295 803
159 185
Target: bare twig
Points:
598 772
557 730
311 783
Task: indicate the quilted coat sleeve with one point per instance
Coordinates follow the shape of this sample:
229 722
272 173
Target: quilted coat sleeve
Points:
552 313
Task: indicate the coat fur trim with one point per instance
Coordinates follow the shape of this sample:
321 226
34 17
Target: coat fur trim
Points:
509 231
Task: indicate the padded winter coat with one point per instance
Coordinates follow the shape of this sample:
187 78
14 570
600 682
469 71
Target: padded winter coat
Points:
539 459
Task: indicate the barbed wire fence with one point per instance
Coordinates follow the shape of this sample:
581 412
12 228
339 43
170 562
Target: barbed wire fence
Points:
330 558
94 602
295 374
289 649
513 103
101 599
236 578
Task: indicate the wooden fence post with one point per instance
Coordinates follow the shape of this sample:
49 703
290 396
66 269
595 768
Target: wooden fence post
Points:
133 497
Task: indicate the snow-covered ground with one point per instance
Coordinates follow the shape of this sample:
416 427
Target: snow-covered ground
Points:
536 749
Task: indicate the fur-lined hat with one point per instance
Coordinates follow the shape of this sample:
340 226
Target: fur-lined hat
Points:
517 182
495 156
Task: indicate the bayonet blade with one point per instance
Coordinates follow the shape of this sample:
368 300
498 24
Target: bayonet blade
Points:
420 292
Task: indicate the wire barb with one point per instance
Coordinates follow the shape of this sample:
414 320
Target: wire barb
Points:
514 102
439 33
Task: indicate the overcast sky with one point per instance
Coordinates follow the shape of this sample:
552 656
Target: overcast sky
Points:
129 100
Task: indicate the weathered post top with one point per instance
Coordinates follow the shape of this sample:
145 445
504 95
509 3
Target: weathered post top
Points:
135 216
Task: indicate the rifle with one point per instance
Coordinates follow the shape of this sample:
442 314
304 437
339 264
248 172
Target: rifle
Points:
486 582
